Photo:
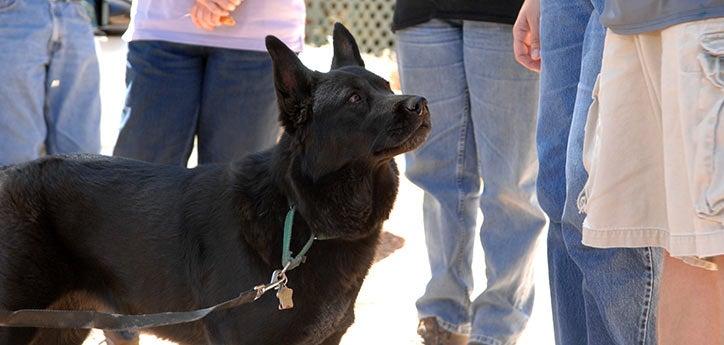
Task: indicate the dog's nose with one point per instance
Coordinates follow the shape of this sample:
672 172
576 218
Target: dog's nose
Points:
415 104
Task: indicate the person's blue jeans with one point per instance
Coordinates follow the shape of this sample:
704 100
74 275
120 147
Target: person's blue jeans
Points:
49 94
599 296
176 92
482 105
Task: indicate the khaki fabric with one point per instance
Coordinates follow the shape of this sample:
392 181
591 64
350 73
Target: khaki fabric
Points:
654 145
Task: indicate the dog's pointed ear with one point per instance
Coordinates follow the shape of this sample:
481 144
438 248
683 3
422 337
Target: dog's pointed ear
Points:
346 52
293 83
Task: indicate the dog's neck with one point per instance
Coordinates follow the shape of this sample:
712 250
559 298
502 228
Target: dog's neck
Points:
347 205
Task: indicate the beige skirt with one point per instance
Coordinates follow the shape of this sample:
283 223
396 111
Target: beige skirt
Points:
654 145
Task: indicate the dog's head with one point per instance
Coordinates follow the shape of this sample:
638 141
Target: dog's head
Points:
348 115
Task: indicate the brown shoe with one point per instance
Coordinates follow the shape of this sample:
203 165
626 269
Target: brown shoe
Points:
433 334
122 338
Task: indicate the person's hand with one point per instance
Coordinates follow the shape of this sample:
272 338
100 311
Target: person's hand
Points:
526 35
208 14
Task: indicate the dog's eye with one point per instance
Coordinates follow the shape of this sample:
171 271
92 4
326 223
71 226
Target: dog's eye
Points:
354 98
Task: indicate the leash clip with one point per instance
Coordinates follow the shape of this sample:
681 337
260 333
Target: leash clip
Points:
278 279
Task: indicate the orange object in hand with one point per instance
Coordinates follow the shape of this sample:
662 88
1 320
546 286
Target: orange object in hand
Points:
227 20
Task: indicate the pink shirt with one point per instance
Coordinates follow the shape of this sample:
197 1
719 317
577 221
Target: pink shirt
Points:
168 20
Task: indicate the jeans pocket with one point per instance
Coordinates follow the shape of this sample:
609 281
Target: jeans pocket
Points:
589 148
709 146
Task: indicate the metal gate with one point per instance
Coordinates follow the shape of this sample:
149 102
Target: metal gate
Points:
368 20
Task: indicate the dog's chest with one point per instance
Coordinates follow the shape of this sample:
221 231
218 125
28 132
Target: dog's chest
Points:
331 315
315 317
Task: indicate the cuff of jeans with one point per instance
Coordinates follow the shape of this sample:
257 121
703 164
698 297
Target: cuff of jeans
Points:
479 339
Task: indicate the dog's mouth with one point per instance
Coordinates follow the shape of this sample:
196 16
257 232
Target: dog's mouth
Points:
417 133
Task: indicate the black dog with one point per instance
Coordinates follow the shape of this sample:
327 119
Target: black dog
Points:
92 232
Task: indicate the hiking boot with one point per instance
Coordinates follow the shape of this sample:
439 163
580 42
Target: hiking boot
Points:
433 334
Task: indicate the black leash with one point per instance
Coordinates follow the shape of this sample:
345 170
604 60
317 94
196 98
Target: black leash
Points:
44 318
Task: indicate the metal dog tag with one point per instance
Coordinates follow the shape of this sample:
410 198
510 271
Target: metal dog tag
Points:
285 298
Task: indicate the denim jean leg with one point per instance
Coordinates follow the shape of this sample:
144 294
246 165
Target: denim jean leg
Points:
430 58
163 92
567 301
503 99
238 112
620 286
562 28
25 28
73 106
576 176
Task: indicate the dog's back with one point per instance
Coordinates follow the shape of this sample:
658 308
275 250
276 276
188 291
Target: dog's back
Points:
83 190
